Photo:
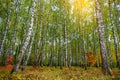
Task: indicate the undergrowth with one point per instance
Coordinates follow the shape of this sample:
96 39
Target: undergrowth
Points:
55 73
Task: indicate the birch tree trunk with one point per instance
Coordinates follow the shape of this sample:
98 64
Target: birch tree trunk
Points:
83 51
40 59
101 37
7 26
28 55
116 18
116 45
61 54
31 44
116 48
17 13
66 46
16 67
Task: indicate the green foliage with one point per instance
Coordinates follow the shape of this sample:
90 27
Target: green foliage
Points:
118 78
4 4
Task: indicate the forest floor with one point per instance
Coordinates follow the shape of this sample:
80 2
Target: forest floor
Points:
55 73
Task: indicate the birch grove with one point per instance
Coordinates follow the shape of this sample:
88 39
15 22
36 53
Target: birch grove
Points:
61 33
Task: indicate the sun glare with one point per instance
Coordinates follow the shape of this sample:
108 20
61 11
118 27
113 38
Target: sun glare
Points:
84 8
83 4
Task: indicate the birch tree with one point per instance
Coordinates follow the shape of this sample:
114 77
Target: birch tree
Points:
29 52
116 45
7 27
101 38
20 57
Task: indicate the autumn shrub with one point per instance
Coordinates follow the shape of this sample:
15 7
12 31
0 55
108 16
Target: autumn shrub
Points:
9 59
91 58
9 66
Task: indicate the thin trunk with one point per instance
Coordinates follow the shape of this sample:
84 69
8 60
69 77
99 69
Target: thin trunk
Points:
116 48
95 50
76 45
65 14
101 37
60 37
116 18
17 11
66 46
70 56
61 55
41 55
115 40
52 52
117 25
83 52
7 26
108 46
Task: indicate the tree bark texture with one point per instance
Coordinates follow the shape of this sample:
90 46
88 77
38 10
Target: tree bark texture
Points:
101 37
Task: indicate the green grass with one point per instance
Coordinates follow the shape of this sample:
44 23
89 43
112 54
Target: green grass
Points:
55 73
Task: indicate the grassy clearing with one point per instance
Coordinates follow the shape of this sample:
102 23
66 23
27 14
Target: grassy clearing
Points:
55 73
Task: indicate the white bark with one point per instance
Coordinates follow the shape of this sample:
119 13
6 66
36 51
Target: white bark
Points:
101 36
29 52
